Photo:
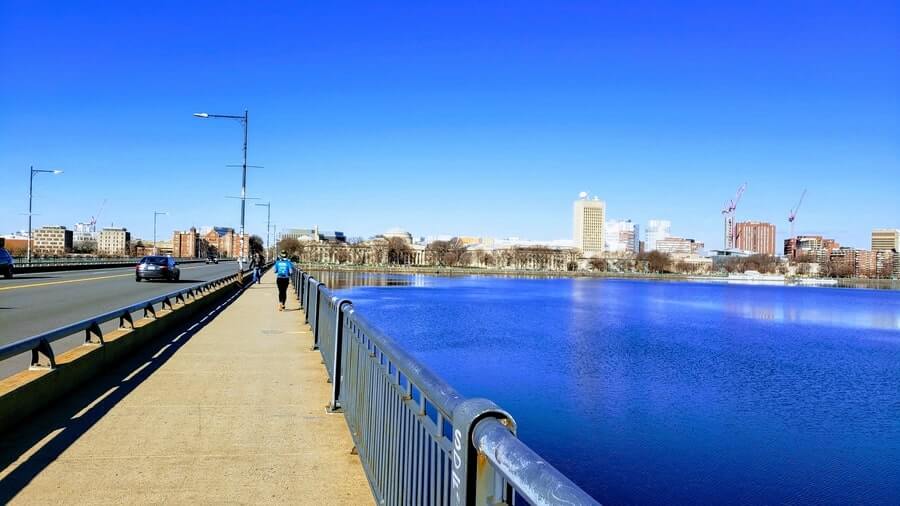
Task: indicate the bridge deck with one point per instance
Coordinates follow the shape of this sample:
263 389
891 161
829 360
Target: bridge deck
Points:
234 412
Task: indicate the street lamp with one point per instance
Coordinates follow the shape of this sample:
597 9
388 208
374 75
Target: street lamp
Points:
30 192
268 206
244 119
241 239
155 214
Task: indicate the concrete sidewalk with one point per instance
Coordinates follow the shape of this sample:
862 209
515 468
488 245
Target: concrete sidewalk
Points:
232 414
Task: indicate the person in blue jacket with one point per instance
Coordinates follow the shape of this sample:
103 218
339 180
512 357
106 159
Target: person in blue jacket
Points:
283 270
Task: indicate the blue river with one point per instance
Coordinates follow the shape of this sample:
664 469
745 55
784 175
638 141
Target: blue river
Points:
648 392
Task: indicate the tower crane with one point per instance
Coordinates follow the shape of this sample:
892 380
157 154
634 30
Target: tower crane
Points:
793 214
728 212
93 222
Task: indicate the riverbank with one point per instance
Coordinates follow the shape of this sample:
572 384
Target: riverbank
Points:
872 284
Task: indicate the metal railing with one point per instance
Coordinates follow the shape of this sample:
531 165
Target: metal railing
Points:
40 344
420 441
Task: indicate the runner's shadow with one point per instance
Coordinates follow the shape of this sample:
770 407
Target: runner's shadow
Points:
95 398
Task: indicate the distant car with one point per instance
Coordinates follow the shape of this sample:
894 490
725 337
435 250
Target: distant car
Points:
213 260
6 263
157 267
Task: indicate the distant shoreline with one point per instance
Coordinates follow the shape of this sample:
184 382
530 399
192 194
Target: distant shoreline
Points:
874 284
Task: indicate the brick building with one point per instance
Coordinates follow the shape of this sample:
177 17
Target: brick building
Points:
756 236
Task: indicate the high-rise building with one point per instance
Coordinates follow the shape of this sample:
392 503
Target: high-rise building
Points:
56 240
622 236
886 239
656 230
113 242
809 247
756 236
589 219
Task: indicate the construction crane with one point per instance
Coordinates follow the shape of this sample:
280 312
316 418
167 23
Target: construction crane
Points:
93 222
728 212
793 215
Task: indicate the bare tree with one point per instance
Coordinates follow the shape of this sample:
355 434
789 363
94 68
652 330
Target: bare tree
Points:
598 264
437 252
398 251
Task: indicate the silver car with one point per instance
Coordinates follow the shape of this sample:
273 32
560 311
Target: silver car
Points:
157 267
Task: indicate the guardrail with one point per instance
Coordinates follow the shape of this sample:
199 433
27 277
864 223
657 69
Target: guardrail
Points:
41 344
420 441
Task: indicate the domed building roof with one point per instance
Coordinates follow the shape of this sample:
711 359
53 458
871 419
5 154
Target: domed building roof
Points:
399 233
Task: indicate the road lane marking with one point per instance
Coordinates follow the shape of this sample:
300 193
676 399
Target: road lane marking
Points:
79 280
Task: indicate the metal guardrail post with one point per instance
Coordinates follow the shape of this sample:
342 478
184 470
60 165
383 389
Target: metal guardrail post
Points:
340 305
471 481
319 286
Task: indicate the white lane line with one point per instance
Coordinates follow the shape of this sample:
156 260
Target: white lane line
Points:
161 350
192 327
179 337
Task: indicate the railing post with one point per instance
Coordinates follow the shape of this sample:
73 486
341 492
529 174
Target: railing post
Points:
319 286
336 369
472 481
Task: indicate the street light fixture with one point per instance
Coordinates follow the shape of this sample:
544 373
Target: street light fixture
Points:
268 206
30 194
244 119
155 214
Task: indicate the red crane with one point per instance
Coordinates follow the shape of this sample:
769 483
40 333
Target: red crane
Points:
793 215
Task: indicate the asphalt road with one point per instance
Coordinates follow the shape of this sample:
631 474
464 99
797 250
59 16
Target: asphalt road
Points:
35 303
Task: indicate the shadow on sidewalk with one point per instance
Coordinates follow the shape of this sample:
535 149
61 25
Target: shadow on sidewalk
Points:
63 423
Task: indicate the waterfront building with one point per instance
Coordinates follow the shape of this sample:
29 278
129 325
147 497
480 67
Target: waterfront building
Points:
16 244
52 240
622 236
589 219
679 246
313 234
113 242
756 236
656 230
809 247
886 239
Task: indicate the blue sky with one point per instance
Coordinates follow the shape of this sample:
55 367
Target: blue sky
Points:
482 118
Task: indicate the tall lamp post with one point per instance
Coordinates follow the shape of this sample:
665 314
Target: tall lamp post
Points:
30 194
155 214
268 206
244 119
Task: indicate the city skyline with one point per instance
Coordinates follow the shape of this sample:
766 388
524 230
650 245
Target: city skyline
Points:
468 120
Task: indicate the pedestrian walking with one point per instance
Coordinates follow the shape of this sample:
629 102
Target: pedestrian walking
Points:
283 270
254 269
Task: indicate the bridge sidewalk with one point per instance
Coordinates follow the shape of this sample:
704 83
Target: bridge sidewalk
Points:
232 414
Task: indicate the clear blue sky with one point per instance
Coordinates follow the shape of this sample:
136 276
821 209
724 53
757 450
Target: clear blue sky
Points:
483 118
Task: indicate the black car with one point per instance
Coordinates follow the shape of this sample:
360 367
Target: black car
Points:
157 267
6 263
212 259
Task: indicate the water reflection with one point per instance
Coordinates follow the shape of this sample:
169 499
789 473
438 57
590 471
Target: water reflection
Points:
344 279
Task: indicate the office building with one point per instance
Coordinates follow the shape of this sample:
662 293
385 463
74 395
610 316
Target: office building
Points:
622 236
589 219
656 230
756 237
886 239
55 240
679 246
114 242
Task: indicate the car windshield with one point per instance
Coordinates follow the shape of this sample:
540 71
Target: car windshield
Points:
155 260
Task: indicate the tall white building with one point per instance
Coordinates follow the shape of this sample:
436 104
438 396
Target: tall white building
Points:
657 230
589 220
622 236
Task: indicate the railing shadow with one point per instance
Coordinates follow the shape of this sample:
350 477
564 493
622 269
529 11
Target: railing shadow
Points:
65 422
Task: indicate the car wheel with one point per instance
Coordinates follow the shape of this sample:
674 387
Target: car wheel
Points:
8 275
137 278
178 277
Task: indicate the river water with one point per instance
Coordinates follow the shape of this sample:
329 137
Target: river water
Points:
672 392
